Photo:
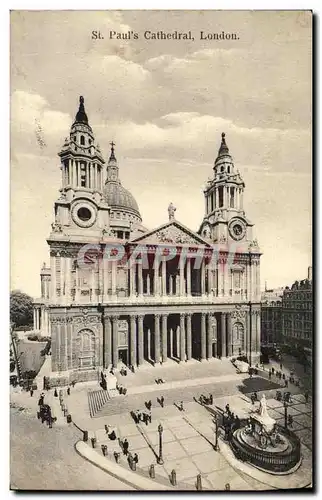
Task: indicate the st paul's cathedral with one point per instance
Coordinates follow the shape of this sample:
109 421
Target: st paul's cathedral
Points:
164 293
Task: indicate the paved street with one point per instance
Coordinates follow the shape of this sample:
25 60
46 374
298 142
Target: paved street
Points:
43 458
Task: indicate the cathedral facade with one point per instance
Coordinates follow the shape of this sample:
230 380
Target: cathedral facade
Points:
116 292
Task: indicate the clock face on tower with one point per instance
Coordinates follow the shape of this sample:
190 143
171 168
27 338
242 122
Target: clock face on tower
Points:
237 229
84 214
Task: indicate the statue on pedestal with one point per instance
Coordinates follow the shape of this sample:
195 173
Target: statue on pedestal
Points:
171 211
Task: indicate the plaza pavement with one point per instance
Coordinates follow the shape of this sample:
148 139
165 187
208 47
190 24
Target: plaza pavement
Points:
188 436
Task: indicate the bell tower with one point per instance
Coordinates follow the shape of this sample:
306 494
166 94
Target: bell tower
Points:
81 208
225 218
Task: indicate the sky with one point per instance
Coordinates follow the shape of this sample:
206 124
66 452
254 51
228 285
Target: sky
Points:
165 104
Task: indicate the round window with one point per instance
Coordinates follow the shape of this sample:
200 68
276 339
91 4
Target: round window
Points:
84 214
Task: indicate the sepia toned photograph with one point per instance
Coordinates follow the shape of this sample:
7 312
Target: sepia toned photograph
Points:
161 280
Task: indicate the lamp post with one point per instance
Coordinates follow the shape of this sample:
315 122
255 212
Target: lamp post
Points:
216 433
160 458
285 414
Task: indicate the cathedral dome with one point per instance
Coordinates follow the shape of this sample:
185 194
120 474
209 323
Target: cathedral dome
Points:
119 197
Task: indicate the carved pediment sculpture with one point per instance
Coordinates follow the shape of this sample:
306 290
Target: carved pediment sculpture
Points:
56 228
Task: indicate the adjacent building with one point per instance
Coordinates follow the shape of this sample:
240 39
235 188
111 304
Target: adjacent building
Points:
116 292
298 314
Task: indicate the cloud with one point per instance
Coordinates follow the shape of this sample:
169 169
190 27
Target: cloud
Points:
31 110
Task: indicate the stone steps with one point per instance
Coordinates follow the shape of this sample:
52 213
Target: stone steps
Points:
96 401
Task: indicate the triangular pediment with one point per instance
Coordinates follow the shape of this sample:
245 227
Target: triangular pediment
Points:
173 233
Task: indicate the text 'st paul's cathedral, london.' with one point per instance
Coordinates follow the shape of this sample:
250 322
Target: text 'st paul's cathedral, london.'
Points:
116 292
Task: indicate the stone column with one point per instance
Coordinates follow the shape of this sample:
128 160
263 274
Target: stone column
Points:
170 284
164 334
226 279
105 278
76 284
181 267
156 275
203 278
114 271
223 335
164 277
148 284
68 278
157 338
209 336
203 336
258 331
171 342
250 279
140 339
35 319
140 278
188 276
108 342
189 336
93 284
215 336
177 278
149 356
229 335
182 338
133 340
115 340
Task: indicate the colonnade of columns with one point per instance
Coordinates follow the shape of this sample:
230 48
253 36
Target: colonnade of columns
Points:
170 339
230 197
72 170
41 322
162 280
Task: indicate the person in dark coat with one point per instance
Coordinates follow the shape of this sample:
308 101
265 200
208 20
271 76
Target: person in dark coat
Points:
162 401
56 393
135 458
68 391
125 446
227 408
112 435
31 392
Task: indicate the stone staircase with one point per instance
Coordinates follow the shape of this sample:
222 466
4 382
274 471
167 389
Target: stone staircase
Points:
96 401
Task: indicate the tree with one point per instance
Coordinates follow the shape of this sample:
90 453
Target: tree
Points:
21 309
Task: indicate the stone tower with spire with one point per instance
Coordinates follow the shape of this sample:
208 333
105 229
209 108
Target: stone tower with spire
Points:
81 211
225 220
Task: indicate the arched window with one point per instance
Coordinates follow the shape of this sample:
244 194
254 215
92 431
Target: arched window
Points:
82 140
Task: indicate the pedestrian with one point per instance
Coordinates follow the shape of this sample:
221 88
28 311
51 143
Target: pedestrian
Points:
125 446
41 401
56 393
31 392
270 374
252 399
68 391
106 428
135 458
281 366
162 401
139 414
211 399
227 409
181 406
150 417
